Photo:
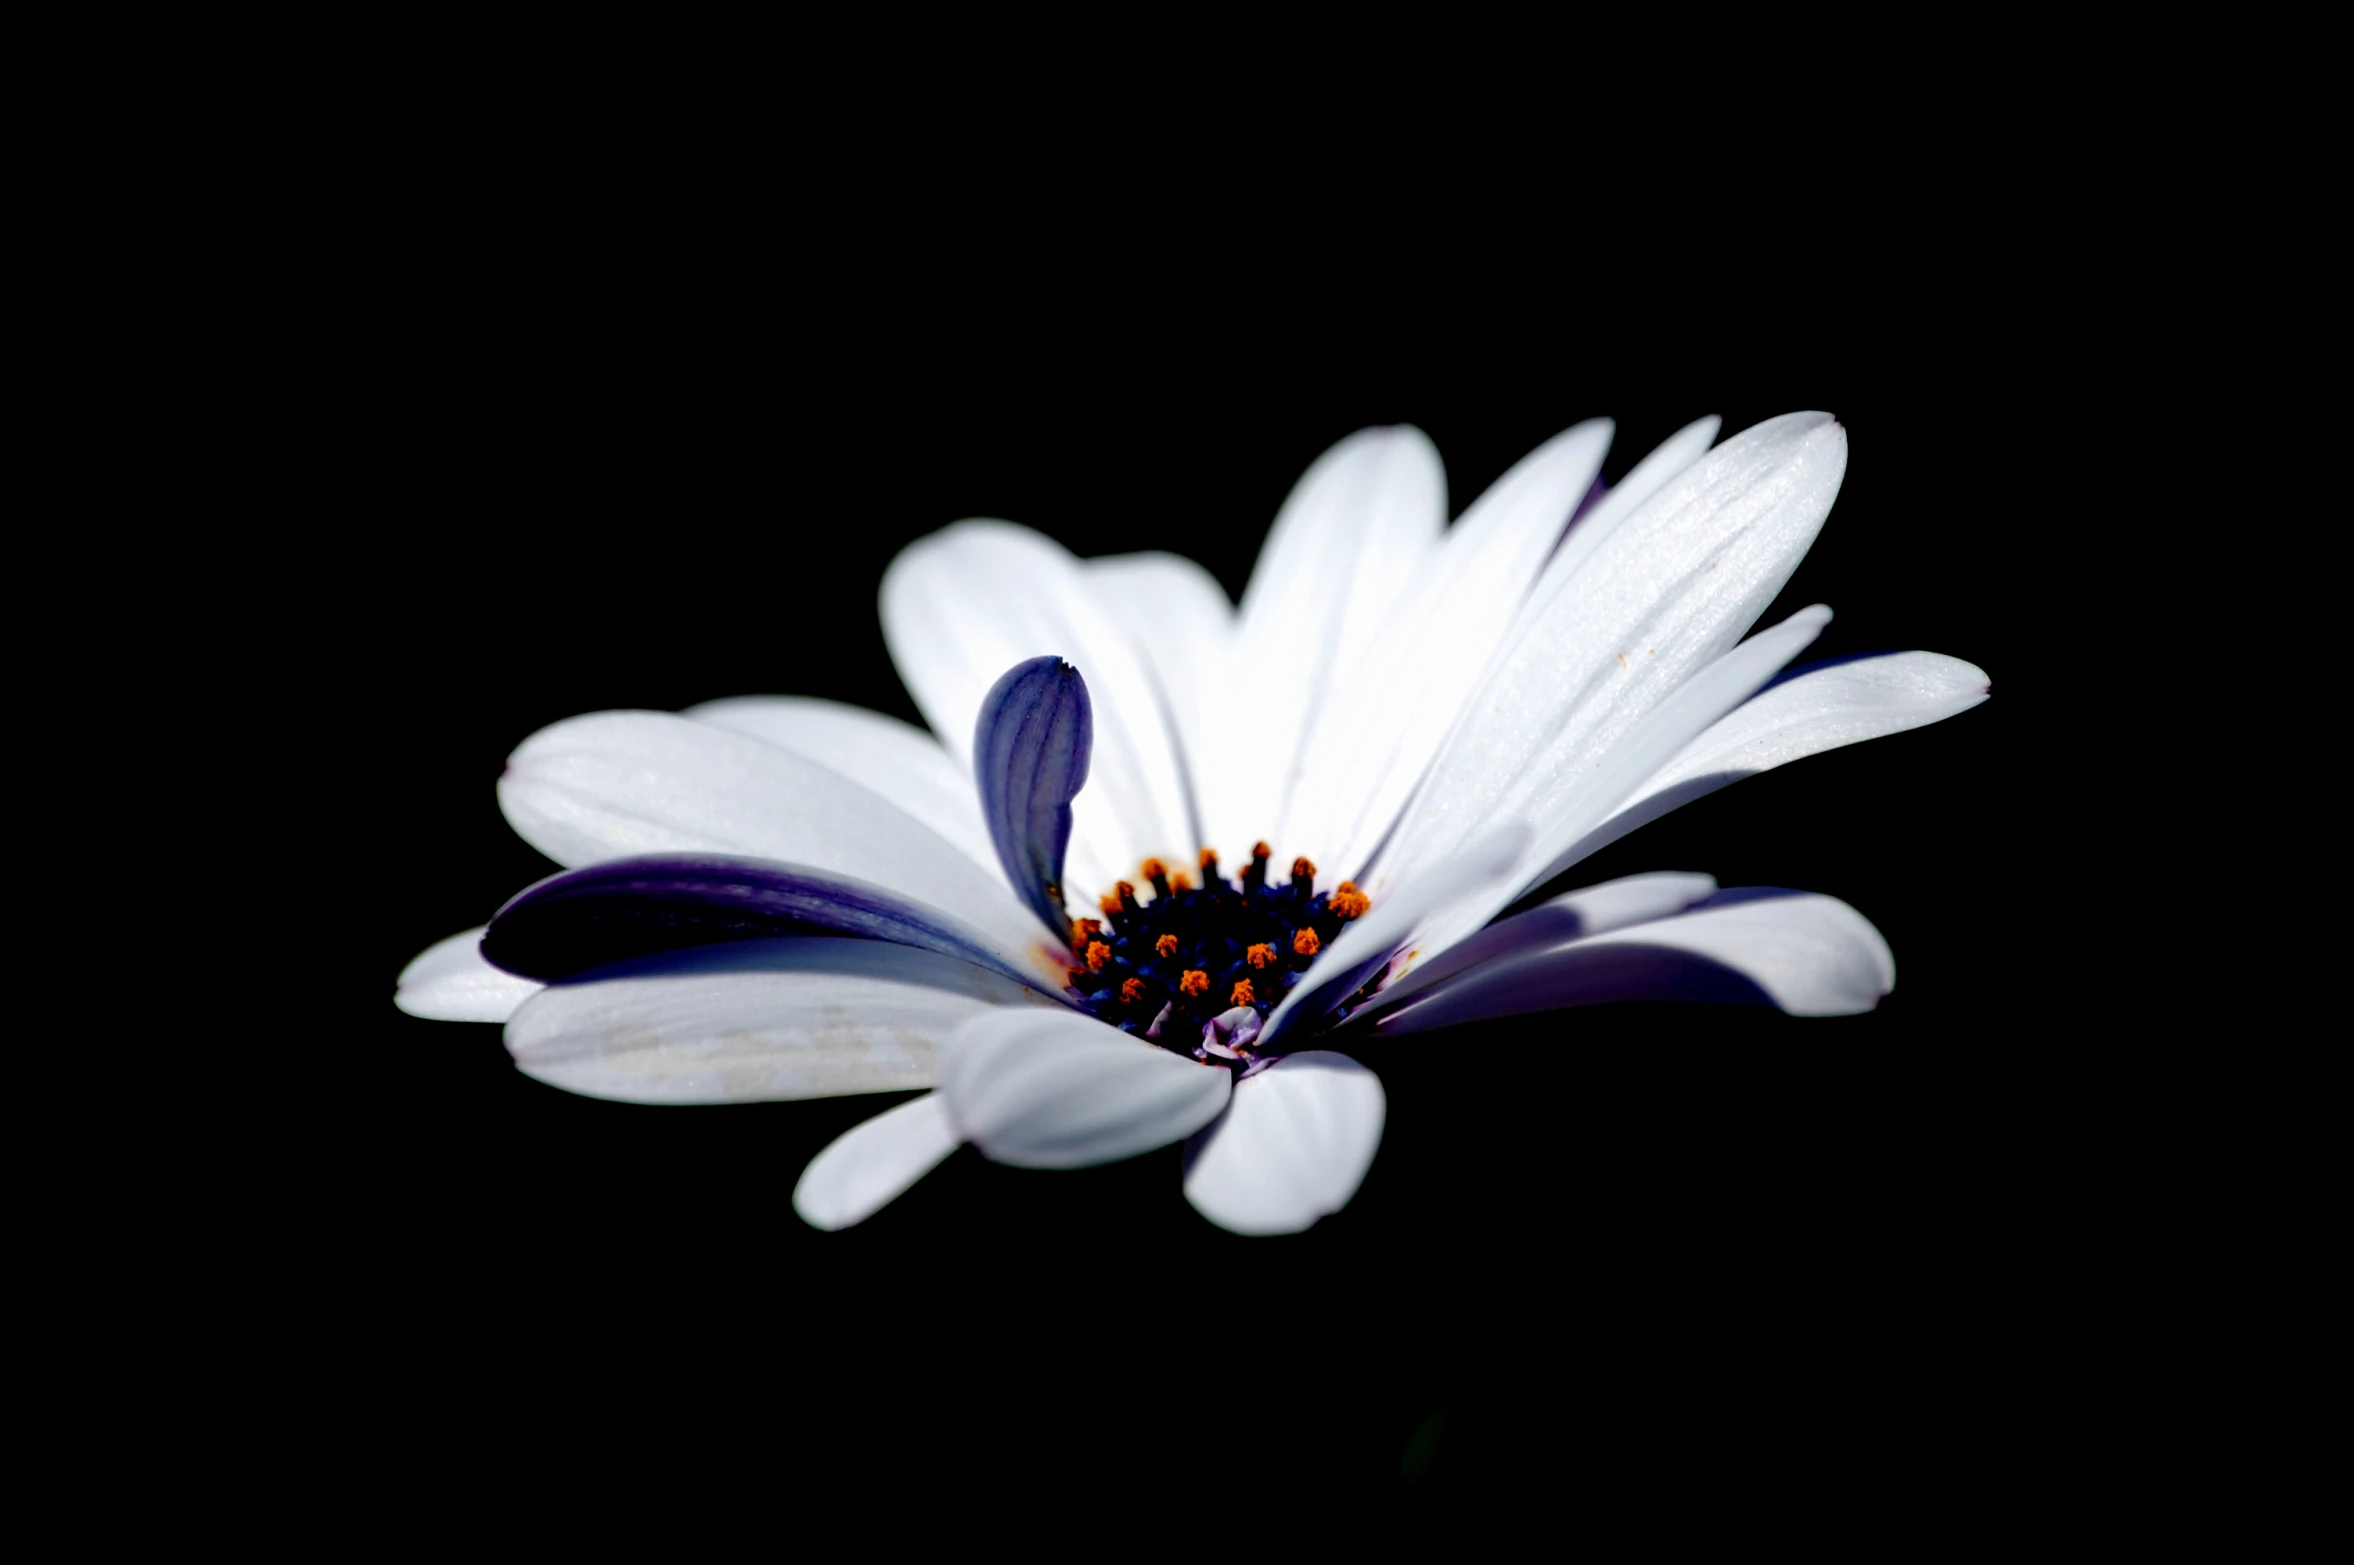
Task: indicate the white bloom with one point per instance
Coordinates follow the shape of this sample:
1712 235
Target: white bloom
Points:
1447 717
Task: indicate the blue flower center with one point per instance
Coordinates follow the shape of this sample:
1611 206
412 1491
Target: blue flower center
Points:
1194 959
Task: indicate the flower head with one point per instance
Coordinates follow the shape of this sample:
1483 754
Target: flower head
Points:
780 898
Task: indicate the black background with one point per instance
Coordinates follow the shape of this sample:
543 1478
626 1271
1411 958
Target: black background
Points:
1634 1239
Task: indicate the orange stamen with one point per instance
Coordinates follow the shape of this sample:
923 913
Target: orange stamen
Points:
1109 903
1179 880
1306 943
1301 869
1132 991
1260 850
1097 954
1243 993
1347 901
1166 945
1206 860
1154 869
1260 956
1195 981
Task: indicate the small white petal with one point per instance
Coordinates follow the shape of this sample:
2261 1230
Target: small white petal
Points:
873 1164
612 784
1821 709
901 763
1045 1089
1293 1147
967 603
758 1020
450 982
1192 626
1810 955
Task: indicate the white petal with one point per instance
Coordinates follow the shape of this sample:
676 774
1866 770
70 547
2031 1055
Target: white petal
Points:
1356 532
1358 950
1811 955
1381 724
1821 709
873 1164
1293 1147
757 1020
1664 595
1192 626
965 604
1594 910
1047 1089
901 763
450 982
612 784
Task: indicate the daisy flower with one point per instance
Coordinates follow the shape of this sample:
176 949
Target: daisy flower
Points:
1161 858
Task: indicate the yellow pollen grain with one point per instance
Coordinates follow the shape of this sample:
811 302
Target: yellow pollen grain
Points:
1243 993
1306 943
1347 901
1132 991
1195 981
1166 945
1097 954
1260 956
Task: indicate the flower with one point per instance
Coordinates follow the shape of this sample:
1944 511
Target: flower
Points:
1429 721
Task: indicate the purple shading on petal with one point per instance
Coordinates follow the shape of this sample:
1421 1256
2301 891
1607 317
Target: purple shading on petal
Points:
627 908
1030 754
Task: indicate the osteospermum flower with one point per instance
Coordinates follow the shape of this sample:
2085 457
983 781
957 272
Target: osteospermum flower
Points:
1160 859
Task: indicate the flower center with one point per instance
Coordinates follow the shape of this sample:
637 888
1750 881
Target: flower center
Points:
1197 969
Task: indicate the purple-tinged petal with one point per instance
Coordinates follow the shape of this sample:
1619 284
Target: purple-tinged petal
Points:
612 912
1030 752
1800 952
1574 915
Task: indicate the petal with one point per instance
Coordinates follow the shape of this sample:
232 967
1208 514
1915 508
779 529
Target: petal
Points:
1293 1147
900 762
627 909
1666 593
1805 712
1361 949
1030 749
450 982
873 1164
1807 954
1615 904
1355 534
1192 626
760 1021
965 604
1375 735
612 784
1059 1090
1572 811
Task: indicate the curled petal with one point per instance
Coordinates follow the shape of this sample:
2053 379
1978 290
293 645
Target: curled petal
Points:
1030 751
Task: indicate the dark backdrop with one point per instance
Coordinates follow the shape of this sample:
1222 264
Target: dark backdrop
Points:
1590 1239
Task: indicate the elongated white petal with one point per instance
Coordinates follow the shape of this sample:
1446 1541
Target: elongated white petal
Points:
1819 709
1047 1089
1666 728
1809 955
757 1020
1663 596
901 763
1356 532
1191 626
965 604
1594 910
1293 1146
612 784
873 1164
1386 932
450 982
1670 458
1382 722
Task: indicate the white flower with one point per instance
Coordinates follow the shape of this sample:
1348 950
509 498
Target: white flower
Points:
1448 717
